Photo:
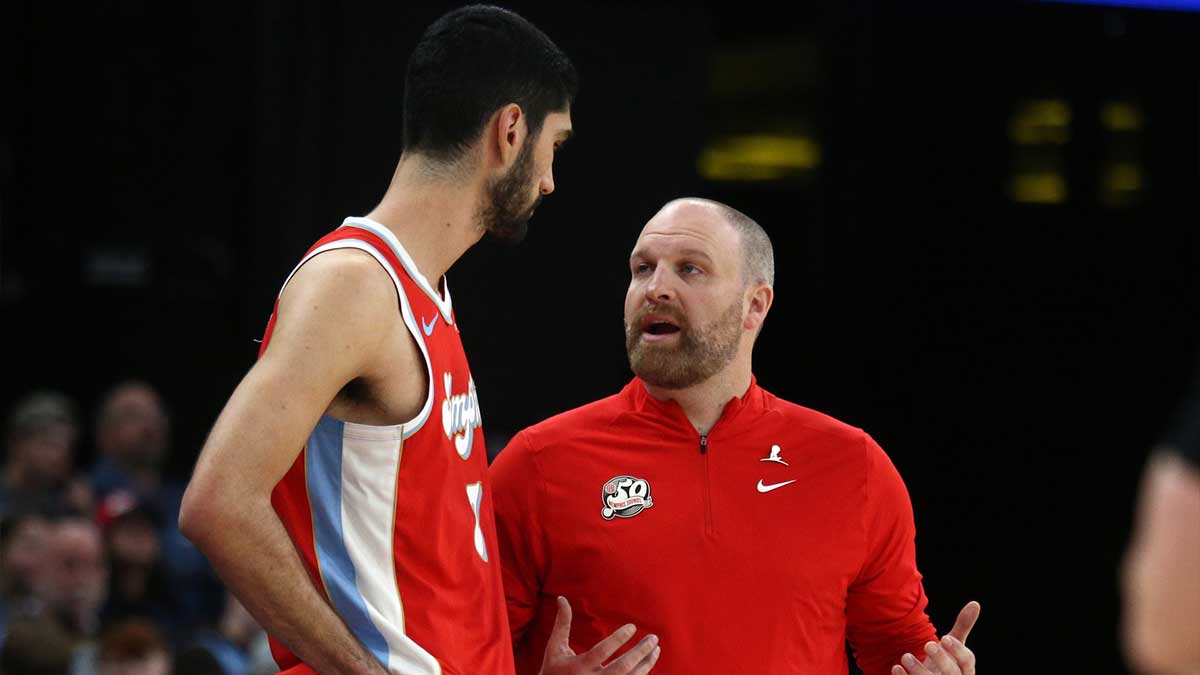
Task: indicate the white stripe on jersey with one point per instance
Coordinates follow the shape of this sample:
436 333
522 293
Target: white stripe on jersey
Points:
370 463
379 230
412 426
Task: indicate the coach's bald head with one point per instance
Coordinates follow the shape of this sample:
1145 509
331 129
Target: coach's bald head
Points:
702 276
758 256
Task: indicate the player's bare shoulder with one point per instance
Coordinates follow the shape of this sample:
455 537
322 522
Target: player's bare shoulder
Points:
340 309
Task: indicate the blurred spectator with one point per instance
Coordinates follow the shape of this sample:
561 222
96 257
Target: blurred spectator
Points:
76 577
1162 567
239 645
133 441
132 435
40 440
24 547
35 646
138 585
133 648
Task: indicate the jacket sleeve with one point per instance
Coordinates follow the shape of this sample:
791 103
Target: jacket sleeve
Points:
517 489
885 608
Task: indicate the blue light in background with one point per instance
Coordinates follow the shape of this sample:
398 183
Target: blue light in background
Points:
1177 5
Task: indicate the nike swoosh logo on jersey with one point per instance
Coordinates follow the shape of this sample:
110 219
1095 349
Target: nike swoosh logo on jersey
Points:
775 486
428 327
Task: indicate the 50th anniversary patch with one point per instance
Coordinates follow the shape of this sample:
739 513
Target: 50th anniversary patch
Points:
625 497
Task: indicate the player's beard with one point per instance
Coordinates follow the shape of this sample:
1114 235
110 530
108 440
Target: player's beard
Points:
507 208
697 355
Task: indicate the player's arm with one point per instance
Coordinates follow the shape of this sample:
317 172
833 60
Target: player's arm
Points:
327 330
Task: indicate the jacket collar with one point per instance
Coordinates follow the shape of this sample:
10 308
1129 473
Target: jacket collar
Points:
638 400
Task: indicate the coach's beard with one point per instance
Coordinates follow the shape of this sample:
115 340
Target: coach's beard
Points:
698 355
506 212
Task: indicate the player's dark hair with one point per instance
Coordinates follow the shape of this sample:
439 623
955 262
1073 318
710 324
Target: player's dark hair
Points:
470 63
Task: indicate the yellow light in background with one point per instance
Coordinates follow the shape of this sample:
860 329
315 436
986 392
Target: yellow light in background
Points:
1121 183
1123 177
758 157
1121 116
741 72
1038 188
1041 122
1122 180
1039 128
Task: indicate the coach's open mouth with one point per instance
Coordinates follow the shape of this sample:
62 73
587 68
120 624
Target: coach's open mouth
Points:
658 327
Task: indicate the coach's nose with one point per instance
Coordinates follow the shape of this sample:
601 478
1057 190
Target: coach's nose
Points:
660 288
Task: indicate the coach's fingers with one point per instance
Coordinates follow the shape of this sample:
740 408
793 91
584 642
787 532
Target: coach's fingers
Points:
966 621
940 660
559 645
964 656
648 663
911 667
605 648
632 659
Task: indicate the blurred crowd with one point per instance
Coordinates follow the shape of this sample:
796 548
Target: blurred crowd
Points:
95 577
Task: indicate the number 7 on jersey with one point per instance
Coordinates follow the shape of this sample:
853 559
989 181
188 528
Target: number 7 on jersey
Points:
475 496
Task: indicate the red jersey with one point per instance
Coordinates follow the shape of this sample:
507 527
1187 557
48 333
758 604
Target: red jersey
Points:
395 523
759 548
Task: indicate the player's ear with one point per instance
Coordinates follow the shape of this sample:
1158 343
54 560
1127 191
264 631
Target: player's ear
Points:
507 130
758 302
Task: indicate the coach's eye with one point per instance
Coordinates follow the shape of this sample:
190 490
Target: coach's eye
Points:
641 268
688 268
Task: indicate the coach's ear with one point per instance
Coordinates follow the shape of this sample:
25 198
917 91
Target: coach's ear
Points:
503 137
757 303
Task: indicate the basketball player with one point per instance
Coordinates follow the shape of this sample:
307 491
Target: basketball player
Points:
752 534
342 493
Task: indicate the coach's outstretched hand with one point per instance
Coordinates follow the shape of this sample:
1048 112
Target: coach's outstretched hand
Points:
560 659
951 657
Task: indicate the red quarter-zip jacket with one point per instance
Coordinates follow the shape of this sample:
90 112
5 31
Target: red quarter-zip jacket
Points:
758 548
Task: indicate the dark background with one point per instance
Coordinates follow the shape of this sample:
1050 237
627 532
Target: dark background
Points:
163 166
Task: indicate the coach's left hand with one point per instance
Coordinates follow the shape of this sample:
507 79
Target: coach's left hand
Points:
951 657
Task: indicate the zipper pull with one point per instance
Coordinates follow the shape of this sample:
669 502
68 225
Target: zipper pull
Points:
703 444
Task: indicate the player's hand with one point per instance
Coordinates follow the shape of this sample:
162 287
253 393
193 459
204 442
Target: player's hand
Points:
951 657
562 660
